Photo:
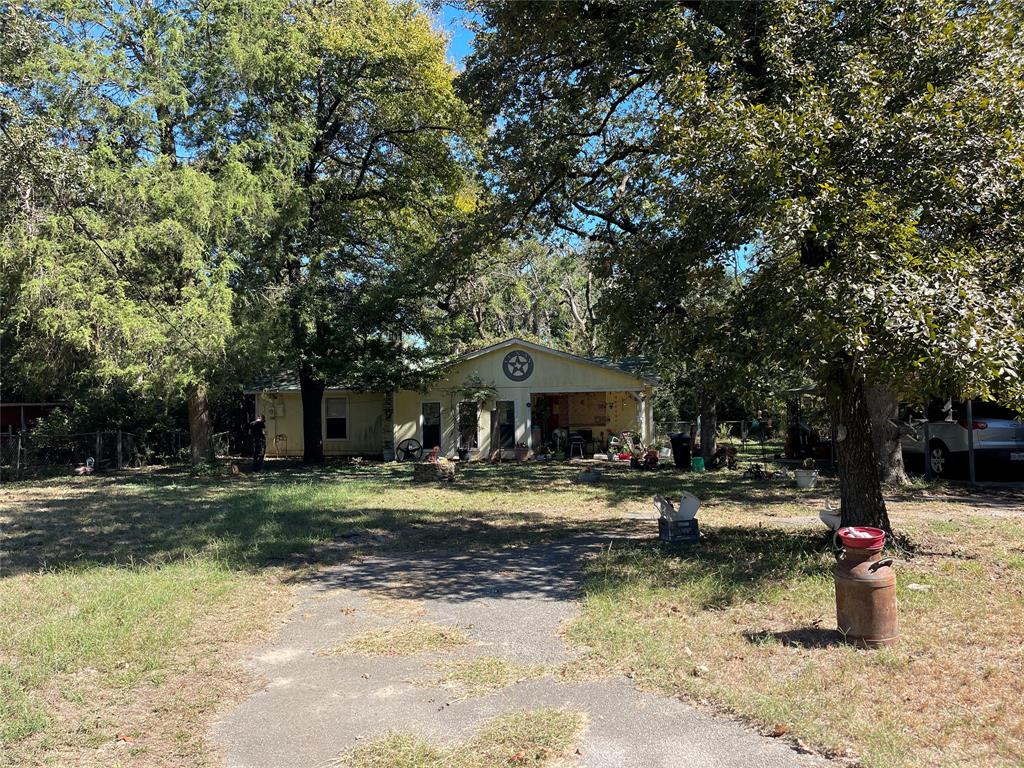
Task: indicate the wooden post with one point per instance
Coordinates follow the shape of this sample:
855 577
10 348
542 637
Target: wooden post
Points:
17 457
120 464
99 448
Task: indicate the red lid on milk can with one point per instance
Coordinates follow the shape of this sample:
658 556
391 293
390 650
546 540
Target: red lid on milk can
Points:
862 537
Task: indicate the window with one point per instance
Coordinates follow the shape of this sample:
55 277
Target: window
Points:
431 424
336 421
467 425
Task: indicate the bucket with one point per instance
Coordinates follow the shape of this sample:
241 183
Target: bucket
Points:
697 463
862 537
806 478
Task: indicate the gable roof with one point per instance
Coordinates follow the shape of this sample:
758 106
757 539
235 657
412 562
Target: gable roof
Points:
288 381
637 367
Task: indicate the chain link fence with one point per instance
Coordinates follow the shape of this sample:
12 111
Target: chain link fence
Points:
25 453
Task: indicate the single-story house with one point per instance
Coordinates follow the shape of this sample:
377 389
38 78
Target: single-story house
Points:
541 397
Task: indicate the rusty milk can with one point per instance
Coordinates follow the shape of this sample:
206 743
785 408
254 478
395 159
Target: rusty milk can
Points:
865 589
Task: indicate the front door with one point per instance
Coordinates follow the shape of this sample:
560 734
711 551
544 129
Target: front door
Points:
467 425
506 412
431 416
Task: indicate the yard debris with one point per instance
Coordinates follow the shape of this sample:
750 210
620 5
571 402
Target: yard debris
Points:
700 671
440 470
124 738
831 516
801 746
678 524
780 729
919 587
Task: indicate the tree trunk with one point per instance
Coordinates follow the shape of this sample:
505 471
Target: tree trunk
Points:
883 405
708 428
200 427
312 390
859 485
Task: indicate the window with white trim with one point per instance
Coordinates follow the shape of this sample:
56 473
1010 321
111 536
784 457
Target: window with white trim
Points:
336 418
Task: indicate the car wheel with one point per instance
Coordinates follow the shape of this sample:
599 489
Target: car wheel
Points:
939 455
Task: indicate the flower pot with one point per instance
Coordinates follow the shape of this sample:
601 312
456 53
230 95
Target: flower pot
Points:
806 478
522 454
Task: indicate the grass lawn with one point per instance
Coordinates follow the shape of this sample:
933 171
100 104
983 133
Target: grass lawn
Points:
125 602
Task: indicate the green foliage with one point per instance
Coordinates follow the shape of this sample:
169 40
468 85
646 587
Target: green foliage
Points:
474 388
352 105
865 160
196 193
122 254
526 289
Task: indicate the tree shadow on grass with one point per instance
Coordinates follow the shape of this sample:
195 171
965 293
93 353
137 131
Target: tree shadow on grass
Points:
545 570
728 566
285 518
244 524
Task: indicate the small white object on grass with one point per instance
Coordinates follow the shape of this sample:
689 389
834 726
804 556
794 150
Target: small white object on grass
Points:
831 517
687 509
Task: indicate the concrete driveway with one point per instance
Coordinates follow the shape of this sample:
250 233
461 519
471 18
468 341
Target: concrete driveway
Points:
512 604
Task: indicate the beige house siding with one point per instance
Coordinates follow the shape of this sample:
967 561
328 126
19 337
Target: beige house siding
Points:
617 400
283 410
629 401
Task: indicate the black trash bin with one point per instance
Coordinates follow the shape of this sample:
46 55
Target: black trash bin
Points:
681 449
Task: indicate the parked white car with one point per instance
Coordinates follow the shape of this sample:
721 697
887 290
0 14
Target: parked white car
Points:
998 436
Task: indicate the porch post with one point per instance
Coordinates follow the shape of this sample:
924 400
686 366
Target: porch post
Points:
528 419
649 416
641 416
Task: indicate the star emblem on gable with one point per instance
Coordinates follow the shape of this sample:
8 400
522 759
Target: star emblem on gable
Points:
518 365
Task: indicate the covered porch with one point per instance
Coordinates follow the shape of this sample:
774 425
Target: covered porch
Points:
580 424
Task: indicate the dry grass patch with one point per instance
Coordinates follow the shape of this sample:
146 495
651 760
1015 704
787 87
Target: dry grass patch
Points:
405 639
125 666
482 675
535 738
395 606
746 620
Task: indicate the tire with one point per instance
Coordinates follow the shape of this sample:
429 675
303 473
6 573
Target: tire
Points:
939 454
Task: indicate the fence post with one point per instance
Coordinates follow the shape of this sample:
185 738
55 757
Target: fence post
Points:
120 464
17 457
99 448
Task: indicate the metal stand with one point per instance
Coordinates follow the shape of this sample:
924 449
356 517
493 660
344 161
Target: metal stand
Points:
969 415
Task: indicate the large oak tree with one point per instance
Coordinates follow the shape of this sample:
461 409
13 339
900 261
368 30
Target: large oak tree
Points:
350 111
871 152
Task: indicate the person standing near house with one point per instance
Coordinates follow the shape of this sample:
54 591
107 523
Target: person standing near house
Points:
258 428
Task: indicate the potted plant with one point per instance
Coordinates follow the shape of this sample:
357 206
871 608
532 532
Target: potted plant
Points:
522 451
807 475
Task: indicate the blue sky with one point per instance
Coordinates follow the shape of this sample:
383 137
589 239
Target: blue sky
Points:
460 43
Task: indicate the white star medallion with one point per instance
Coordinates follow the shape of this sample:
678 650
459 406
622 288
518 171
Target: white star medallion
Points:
518 365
